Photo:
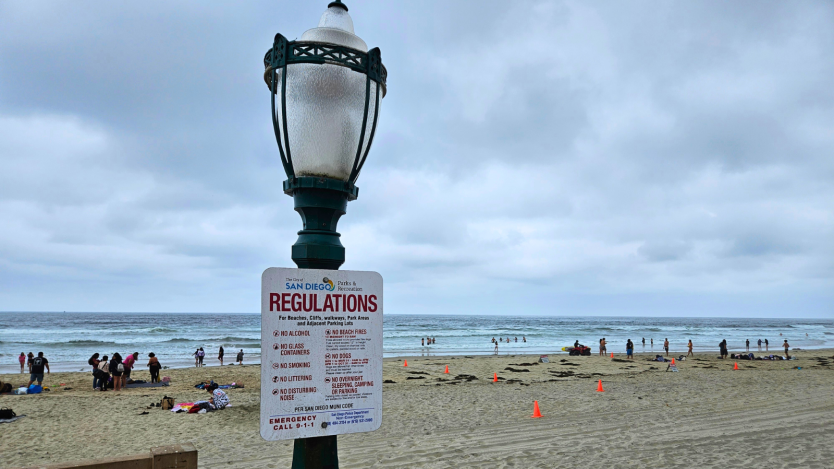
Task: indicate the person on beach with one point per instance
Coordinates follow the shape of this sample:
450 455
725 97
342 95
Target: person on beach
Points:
666 346
602 346
39 362
154 367
786 345
197 358
652 340
760 345
422 342
690 349
104 372
433 340
240 357
644 341
128 364
220 355
630 350
22 360
201 354
766 345
747 344
722 347
523 339
115 363
94 362
29 360
496 348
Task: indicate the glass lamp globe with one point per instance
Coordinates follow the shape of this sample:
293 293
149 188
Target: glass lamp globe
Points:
325 98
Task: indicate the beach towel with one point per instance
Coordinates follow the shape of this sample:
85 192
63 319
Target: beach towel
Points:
146 385
12 419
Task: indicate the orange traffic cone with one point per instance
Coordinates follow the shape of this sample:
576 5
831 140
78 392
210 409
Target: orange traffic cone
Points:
612 354
599 387
536 413
447 369
735 367
673 361
405 363
495 377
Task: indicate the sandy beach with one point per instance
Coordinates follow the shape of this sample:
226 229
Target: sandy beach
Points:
766 414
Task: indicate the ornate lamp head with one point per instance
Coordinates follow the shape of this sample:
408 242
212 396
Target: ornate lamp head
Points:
326 89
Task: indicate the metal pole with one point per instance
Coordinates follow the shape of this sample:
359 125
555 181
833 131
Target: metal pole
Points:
318 247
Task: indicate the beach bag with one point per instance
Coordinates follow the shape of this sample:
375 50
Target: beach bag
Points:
6 413
34 389
167 403
120 368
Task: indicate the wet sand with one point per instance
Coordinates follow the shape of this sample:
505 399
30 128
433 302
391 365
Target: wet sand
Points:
766 414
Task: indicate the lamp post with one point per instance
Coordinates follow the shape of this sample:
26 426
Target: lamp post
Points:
325 92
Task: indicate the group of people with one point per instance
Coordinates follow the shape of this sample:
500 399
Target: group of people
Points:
427 341
36 365
114 372
200 355
502 339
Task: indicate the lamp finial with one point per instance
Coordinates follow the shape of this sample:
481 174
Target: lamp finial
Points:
338 3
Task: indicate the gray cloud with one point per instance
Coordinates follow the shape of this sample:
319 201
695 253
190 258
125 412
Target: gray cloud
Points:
547 157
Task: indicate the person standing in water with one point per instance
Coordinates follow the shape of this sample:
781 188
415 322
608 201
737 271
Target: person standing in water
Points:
22 360
240 357
602 346
766 345
760 345
747 344
644 341
220 355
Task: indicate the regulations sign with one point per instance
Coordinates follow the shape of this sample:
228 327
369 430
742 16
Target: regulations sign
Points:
321 352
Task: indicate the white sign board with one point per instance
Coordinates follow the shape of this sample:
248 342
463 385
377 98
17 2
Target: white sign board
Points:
321 353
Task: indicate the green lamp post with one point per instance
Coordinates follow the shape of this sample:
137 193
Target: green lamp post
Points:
325 91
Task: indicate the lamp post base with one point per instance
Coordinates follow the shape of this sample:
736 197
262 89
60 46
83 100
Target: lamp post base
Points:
315 453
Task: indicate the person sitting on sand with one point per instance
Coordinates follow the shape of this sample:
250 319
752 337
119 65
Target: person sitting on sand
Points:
154 367
219 398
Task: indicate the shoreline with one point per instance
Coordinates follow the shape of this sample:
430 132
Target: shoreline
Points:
80 366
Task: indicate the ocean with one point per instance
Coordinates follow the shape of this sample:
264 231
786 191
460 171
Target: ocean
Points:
68 339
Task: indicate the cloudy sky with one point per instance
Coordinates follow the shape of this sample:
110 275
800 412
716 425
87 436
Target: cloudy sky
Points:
548 158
